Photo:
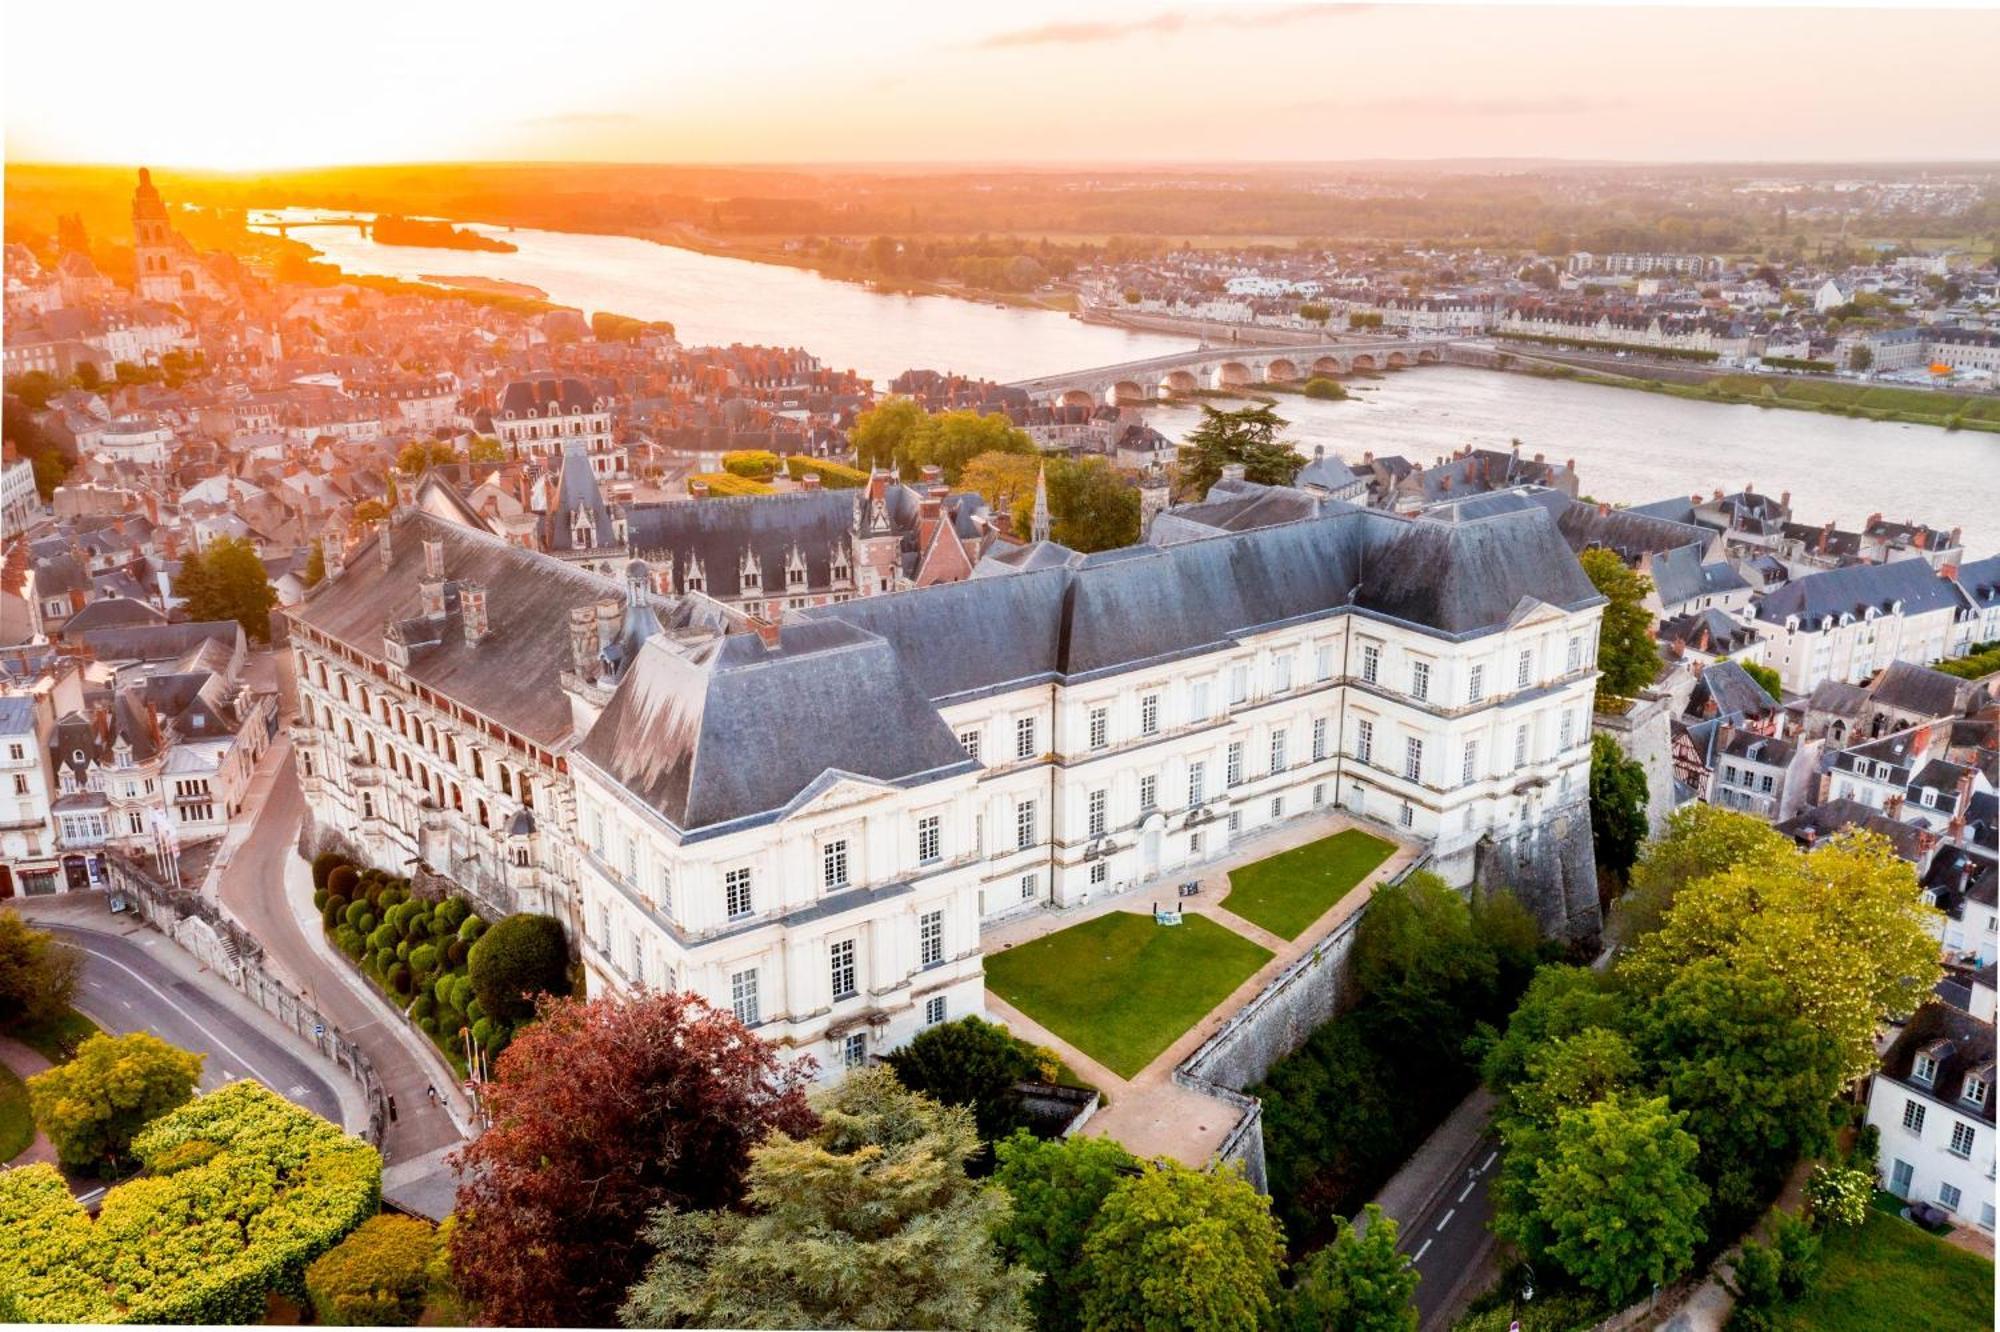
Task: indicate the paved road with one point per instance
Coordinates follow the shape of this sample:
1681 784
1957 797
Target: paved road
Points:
252 887
124 988
1450 1236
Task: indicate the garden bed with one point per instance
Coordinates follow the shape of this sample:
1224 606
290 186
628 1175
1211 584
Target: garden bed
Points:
1287 892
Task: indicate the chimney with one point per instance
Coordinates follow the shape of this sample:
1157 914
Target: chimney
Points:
382 544
472 612
1603 508
1874 519
1785 500
1232 471
1954 537
334 549
932 474
698 489
1718 495
434 557
1949 572
810 481
767 630
610 610
1538 460
582 638
1368 458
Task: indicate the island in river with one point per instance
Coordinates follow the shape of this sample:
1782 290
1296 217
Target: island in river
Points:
496 286
393 229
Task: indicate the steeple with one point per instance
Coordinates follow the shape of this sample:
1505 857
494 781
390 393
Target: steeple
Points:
1039 523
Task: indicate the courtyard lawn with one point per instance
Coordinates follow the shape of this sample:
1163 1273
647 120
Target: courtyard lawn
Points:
1121 988
1888 1273
1289 891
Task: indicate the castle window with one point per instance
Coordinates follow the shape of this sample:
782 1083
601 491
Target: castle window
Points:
736 893
1100 727
1364 740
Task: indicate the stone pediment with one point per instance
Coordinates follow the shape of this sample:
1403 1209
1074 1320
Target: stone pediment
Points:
1532 611
835 790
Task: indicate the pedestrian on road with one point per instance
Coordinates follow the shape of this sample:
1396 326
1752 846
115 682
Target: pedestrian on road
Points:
392 1109
431 1092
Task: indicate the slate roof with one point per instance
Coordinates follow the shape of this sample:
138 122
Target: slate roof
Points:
577 491
111 613
1680 576
1908 687
1732 691
1839 698
17 715
1968 1049
1979 580
691 732
1824 820
1854 590
1629 533
1709 630
157 642
717 533
547 395
512 676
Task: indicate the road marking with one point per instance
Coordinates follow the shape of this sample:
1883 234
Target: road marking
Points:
1490 1157
1445 1220
1467 1189
221 1044
1418 1256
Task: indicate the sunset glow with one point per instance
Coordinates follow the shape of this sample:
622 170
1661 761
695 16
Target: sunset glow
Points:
369 82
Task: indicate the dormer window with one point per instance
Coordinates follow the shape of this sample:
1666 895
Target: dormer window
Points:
1925 1068
753 577
1975 1090
795 570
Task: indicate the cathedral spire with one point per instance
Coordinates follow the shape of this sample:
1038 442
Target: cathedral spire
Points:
1039 528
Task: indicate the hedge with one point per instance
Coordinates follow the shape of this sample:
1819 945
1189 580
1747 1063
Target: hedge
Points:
411 950
523 956
832 475
1798 363
379 1276
1982 661
203 1243
725 484
757 464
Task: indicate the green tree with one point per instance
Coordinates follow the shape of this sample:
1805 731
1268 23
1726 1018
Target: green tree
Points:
227 581
1248 436
1093 506
1057 1186
1617 804
92 1106
420 454
1328 390
1767 679
1358 1283
1842 928
882 434
1006 481
1699 840
1185 1249
1619 1195
521 958
1560 1001
38 973
871 1222
315 572
1755 1078
972 1063
950 440
1627 656
485 449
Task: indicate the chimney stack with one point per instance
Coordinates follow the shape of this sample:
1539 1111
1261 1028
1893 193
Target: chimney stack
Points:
582 638
1785 500
434 557
382 547
472 612
698 489
767 630
932 474
610 610
334 549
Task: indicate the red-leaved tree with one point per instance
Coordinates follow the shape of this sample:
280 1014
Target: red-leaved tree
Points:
602 1112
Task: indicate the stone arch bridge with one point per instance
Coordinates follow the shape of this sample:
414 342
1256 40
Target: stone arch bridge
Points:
1161 377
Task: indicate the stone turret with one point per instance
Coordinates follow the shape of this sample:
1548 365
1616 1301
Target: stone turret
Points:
1040 520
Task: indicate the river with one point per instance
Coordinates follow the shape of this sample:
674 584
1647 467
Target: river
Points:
1630 447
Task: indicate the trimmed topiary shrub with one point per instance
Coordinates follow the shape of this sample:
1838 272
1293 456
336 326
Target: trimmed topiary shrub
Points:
461 992
399 978
482 1031
520 958
199 1241
423 959
378 1276
323 865
356 912
381 959
341 881
456 952
334 912
349 941
383 939
319 899
454 911
469 932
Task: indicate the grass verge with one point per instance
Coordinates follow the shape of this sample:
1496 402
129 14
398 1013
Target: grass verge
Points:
1888 1273
1289 891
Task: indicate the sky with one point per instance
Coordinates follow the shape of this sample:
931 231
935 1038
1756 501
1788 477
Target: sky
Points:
238 86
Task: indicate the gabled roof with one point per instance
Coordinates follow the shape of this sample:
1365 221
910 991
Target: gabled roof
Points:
1969 1048
1908 687
1859 588
1731 692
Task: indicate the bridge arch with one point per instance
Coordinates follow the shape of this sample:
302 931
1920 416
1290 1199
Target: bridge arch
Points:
1127 391
1397 360
1231 374
1328 365
1428 356
1179 381
1283 370
1077 397
1364 361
